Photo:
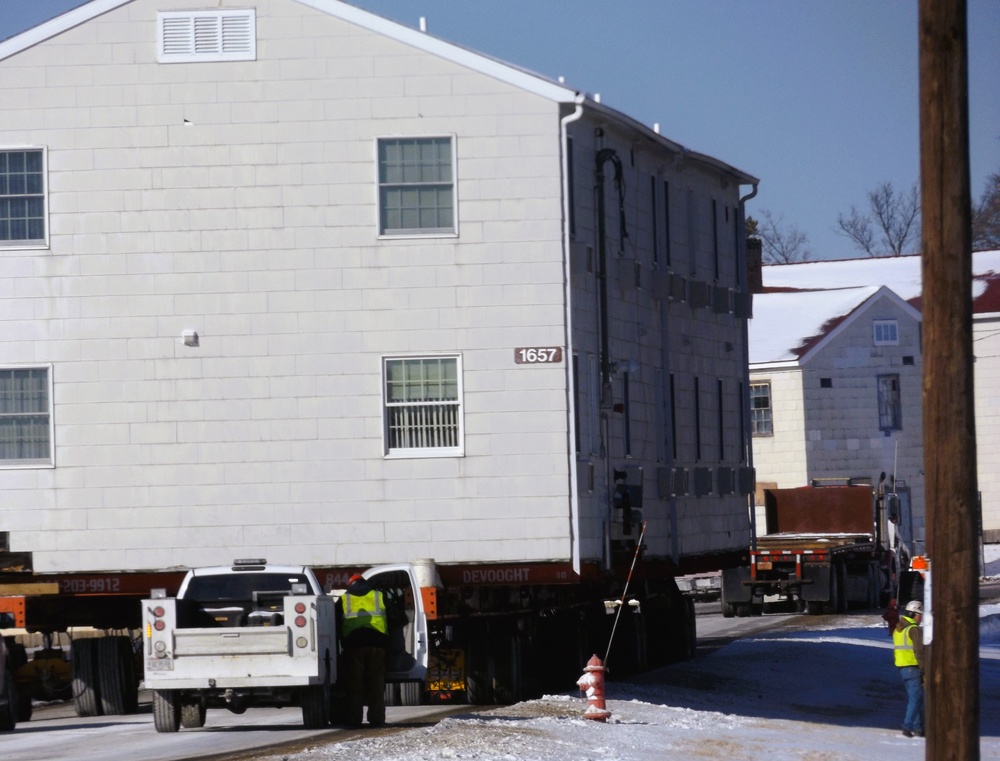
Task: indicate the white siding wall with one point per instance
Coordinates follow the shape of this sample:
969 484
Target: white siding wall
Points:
256 226
986 347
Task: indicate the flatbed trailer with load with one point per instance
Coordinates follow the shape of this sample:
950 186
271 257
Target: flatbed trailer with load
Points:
822 550
270 352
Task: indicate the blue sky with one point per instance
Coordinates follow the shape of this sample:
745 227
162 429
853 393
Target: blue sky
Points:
817 98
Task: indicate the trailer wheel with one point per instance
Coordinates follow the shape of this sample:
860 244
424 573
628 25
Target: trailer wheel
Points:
193 715
411 693
8 714
478 666
166 711
119 690
728 610
86 684
508 658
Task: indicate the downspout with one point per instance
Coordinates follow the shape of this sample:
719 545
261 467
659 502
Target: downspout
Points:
574 496
748 435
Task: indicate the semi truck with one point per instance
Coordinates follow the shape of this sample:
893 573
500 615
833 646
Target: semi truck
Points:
822 550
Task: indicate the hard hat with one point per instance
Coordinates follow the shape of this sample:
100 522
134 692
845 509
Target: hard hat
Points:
355 577
914 606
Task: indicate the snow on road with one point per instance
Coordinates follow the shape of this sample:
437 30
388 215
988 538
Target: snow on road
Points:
818 689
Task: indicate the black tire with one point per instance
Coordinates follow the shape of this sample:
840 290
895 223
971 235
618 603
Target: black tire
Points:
315 701
841 600
728 610
8 713
193 715
166 712
814 607
315 706
24 708
411 693
478 667
743 609
86 683
119 688
508 682
873 587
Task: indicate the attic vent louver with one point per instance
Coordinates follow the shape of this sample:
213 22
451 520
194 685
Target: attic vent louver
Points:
193 36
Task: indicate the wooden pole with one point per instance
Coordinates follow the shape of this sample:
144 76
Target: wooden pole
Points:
949 420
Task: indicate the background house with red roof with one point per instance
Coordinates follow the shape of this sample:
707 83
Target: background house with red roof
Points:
835 376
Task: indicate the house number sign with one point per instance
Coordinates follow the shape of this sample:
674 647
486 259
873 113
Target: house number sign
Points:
535 355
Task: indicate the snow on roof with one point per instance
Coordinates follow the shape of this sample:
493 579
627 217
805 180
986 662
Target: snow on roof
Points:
784 323
801 303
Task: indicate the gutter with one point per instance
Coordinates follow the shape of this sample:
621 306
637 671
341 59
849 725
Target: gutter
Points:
574 497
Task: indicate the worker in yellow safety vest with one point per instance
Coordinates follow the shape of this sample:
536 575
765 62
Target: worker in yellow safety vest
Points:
908 653
365 640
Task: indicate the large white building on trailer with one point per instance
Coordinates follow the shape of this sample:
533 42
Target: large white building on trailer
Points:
287 279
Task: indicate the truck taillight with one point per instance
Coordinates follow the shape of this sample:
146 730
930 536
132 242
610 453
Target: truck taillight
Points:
159 625
300 621
300 607
158 611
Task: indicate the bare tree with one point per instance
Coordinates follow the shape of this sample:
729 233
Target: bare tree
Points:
986 217
890 227
781 243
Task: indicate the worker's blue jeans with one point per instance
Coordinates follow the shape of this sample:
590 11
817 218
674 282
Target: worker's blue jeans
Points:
913 681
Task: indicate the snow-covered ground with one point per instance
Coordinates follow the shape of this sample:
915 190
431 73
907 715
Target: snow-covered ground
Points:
818 689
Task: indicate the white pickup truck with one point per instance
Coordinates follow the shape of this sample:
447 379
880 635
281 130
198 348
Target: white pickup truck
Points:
239 635
259 634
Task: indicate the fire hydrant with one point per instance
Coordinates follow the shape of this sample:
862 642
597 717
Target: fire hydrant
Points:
592 683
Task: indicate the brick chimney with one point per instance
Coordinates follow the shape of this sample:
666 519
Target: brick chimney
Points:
755 263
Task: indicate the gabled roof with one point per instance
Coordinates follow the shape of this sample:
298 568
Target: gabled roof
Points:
900 273
790 327
803 305
505 72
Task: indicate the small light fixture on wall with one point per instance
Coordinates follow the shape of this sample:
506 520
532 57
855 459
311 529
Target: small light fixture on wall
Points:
190 337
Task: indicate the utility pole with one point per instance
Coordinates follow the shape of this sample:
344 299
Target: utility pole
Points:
949 419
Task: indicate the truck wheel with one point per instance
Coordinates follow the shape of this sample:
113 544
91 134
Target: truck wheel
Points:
8 714
166 712
193 715
814 607
728 610
315 708
86 685
116 675
873 579
840 601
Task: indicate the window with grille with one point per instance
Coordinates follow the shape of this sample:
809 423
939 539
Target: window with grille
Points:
423 406
890 412
885 333
760 409
416 186
25 416
212 35
22 197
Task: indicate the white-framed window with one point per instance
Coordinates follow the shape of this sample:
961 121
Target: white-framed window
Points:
885 333
760 409
416 186
890 411
22 197
25 416
208 35
423 406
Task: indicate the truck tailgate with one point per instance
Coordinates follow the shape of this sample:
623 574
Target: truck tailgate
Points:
258 640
